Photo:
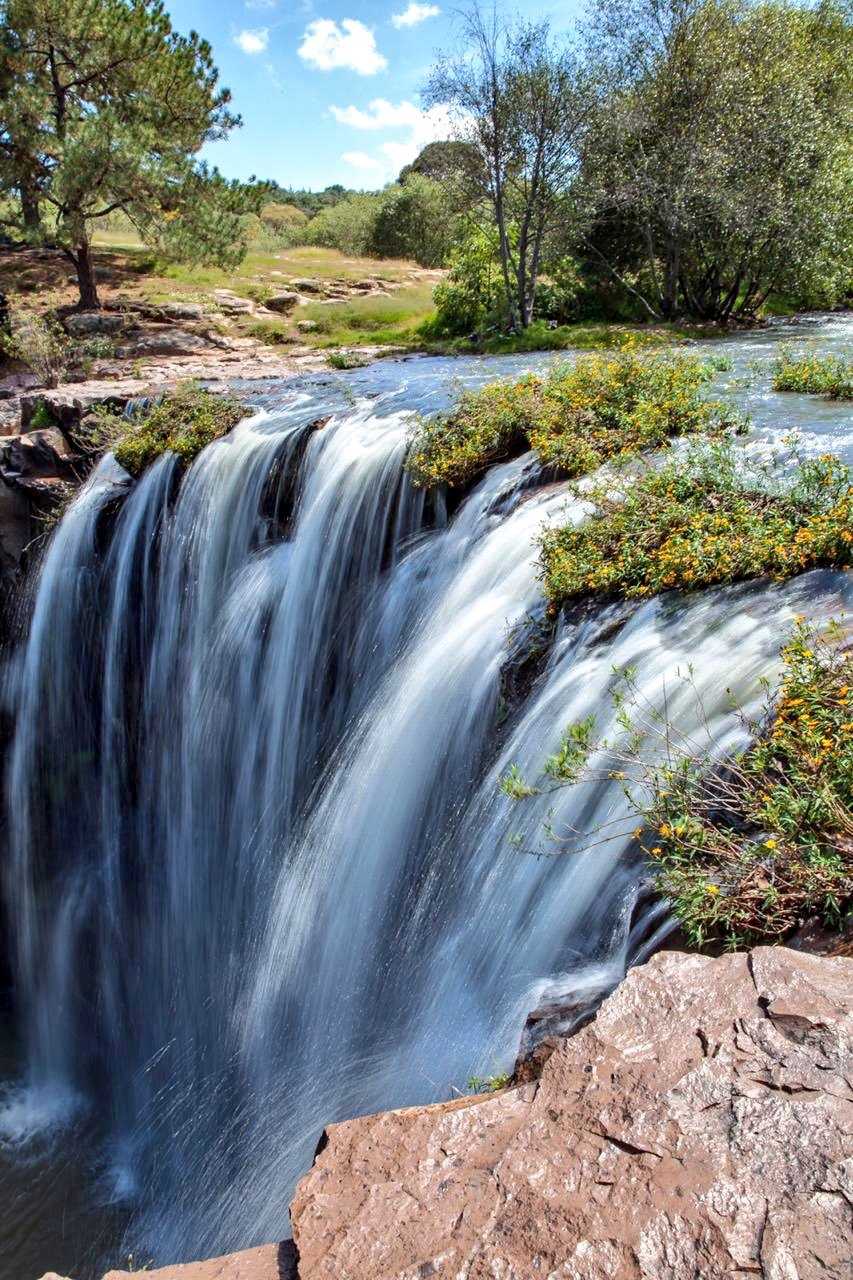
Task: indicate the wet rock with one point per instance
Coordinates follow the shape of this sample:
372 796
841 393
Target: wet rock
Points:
86 324
15 528
699 1126
282 302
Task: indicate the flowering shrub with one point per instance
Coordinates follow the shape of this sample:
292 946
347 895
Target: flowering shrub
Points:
709 517
184 421
745 849
826 375
579 415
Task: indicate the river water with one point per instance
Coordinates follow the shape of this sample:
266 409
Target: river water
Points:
259 864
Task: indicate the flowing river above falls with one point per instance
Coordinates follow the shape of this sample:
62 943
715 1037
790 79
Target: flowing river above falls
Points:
258 861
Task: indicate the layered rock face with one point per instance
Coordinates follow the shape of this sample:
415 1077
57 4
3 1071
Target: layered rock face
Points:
701 1126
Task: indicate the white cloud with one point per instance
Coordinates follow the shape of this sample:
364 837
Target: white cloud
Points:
253 41
415 14
421 127
329 47
361 160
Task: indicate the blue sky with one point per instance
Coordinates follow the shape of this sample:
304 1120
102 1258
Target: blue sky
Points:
329 91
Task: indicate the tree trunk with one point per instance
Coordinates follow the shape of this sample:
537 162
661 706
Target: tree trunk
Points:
30 208
82 259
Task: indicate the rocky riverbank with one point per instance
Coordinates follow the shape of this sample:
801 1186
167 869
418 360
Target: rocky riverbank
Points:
700 1125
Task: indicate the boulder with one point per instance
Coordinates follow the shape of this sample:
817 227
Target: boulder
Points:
161 342
36 455
306 285
67 407
182 311
700 1126
282 302
229 302
87 324
307 326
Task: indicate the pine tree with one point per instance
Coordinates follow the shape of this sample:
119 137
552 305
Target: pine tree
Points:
104 108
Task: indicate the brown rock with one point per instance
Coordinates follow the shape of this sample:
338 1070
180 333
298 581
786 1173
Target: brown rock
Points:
269 1262
700 1127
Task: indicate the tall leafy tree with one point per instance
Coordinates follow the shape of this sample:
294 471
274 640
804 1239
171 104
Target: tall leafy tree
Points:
105 108
719 169
524 103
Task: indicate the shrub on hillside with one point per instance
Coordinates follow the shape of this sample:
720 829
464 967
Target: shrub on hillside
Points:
39 343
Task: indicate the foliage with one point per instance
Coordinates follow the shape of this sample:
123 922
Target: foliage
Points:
523 103
719 170
471 296
184 421
488 1084
105 109
823 375
346 360
582 413
748 846
713 516
39 343
411 219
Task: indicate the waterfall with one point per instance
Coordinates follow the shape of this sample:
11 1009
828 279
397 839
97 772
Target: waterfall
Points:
260 863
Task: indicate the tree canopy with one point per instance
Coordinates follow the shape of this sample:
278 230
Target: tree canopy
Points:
105 108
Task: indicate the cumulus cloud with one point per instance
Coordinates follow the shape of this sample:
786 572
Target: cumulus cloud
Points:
352 46
415 14
420 126
361 160
253 41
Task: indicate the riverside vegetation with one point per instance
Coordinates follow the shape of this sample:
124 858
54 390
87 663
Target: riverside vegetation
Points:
746 849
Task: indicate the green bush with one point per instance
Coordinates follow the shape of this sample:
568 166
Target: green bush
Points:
710 517
183 421
815 374
579 415
40 344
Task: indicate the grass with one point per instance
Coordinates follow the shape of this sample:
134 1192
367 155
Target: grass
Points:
576 417
814 374
745 846
708 518
183 421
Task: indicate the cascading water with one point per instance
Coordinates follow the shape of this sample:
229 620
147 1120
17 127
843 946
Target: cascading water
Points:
260 868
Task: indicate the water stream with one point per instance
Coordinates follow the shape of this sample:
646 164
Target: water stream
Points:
259 864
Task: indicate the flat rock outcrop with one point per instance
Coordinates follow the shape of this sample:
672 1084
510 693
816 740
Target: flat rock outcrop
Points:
700 1126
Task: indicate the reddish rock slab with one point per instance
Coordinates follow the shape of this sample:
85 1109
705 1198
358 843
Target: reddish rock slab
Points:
269 1262
700 1128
